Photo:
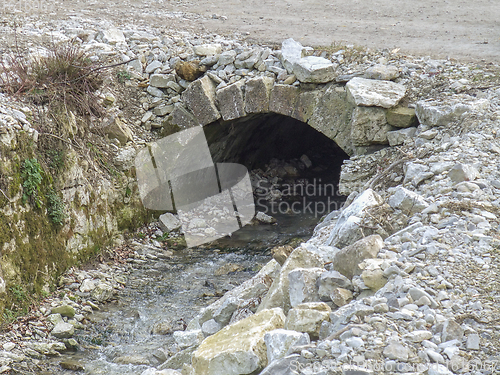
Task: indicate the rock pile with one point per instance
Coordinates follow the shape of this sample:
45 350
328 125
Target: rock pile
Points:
404 277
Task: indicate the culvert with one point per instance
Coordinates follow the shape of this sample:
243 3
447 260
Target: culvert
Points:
294 171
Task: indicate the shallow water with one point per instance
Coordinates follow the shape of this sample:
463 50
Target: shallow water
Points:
120 339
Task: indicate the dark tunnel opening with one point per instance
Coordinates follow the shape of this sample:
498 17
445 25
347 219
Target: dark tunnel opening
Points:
294 171
254 140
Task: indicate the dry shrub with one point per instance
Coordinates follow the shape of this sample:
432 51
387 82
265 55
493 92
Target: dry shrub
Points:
65 75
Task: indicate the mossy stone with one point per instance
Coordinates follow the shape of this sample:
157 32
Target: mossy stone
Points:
64 310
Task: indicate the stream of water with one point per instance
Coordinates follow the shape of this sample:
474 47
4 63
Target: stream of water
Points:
123 338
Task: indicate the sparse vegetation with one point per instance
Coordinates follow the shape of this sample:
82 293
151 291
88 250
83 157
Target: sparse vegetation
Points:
63 75
55 207
55 159
18 293
123 75
32 178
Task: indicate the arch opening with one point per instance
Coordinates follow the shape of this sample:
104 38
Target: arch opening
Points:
294 171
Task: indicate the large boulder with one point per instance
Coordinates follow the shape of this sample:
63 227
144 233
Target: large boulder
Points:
307 318
347 228
279 341
238 348
329 281
278 294
347 260
255 288
303 285
374 93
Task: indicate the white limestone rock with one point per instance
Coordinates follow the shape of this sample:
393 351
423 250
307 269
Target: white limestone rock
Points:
278 294
111 36
161 80
238 348
382 72
63 330
407 201
169 222
207 49
463 172
399 137
302 283
279 341
291 53
314 69
435 113
374 93
369 126
348 259
346 230
186 339
307 317
103 291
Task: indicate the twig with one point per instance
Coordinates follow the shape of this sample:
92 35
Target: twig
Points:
372 184
95 70
55 136
6 197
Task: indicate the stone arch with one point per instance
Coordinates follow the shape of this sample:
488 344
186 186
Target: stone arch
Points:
350 115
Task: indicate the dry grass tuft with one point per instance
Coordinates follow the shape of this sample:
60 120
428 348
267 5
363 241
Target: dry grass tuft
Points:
64 75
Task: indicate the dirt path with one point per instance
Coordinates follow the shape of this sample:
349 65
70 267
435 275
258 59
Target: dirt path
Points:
461 29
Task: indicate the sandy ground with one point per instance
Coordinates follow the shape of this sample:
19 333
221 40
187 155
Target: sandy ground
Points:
462 29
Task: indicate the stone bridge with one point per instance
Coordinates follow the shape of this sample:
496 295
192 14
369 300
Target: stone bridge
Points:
361 116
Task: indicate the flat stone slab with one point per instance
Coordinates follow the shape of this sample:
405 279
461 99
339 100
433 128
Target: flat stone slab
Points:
314 69
374 93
